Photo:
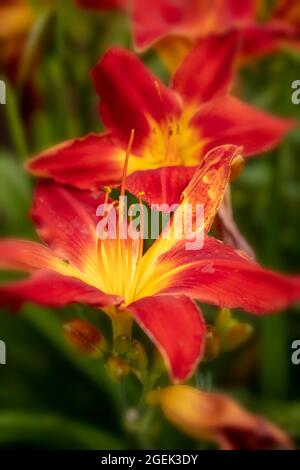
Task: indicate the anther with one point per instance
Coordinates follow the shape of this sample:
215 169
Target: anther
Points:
107 191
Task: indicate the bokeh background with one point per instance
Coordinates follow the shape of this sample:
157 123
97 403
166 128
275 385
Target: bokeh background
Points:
51 396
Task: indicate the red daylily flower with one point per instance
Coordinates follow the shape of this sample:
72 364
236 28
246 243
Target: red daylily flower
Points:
155 288
287 11
173 26
216 418
188 19
102 4
281 29
173 126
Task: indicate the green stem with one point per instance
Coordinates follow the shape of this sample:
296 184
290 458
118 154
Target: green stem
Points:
121 322
147 388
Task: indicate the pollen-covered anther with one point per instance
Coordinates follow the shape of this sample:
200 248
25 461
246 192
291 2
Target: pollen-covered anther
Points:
107 189
140 195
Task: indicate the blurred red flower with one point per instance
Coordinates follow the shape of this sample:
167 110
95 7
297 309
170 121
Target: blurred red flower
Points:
173 26
281 29
189 19
173 126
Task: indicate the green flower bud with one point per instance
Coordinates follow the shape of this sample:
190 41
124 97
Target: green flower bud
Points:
212 344
117 368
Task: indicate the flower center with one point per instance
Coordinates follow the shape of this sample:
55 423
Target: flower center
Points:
173 142
120 256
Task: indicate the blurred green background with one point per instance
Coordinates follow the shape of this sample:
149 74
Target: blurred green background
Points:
51 396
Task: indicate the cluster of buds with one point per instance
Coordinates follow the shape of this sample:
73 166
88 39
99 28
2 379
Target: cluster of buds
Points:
128 356
123 357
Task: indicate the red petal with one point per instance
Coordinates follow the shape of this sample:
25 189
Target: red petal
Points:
131 96
214 57
85 163
219 275
161 186
66 221
53 290
265 39
176 326
228 120
239 13
23 255
204 186
152 24
187 18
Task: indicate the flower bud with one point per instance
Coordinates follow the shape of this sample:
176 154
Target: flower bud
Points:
212 344
117 368
236 335
85 338
138 356
223 320
232 332
138 359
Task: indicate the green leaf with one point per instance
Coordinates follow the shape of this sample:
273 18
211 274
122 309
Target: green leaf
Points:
51 430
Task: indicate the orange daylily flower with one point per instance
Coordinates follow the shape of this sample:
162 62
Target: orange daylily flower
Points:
216 418
155 288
